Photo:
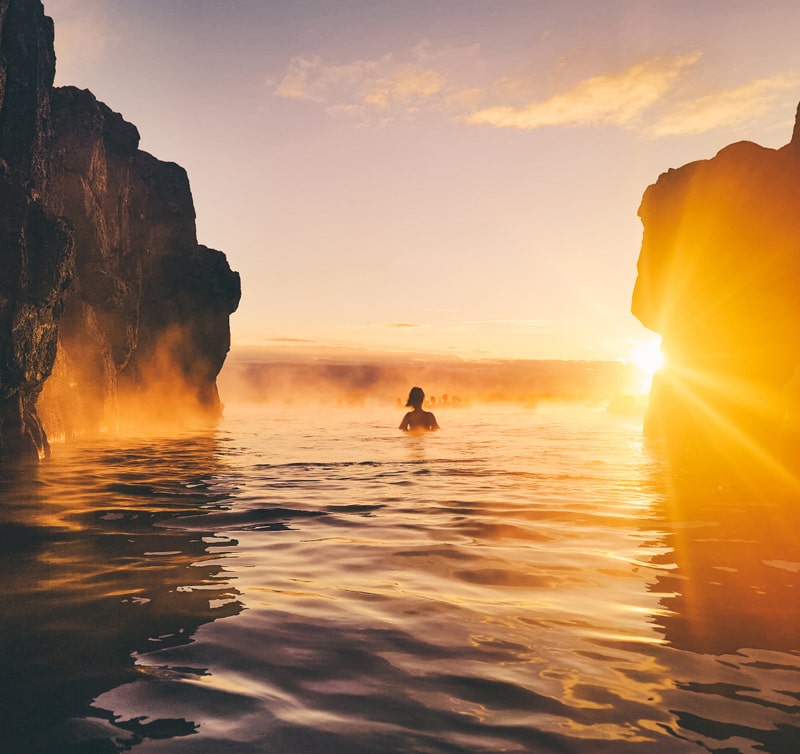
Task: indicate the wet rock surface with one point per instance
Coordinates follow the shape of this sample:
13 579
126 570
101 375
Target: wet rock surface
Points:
110 310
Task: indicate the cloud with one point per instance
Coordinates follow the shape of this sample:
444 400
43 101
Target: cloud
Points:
465 99
377 84
295 82
505 324
310 78
385 87
288 339
619 98
729 108
648 97
403 86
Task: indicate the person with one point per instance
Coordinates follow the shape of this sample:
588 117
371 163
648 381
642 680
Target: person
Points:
417 420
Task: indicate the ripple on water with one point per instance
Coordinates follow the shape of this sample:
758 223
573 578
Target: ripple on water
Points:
523 581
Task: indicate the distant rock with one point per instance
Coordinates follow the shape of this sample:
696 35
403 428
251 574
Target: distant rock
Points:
110 310
718 278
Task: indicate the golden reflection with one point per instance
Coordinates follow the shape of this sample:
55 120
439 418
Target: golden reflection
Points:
730 581
722 423
730 513
90 578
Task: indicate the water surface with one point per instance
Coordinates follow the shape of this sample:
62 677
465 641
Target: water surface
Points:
529 580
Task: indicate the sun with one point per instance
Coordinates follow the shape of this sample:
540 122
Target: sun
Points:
648 357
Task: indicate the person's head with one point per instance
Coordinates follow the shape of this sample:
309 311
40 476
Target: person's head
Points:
415 397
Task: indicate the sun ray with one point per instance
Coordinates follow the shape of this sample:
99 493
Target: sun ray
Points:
692 385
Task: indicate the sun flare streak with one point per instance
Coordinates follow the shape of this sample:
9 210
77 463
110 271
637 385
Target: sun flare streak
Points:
692 383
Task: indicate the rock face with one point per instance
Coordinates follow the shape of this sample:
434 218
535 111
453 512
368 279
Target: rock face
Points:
109 308
36 248
718 278
144 330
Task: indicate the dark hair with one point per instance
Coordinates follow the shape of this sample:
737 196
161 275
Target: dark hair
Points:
415 397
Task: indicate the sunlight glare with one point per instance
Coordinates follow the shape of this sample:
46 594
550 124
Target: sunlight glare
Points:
648 357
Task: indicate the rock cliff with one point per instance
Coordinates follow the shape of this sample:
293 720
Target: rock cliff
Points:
36 247
110 310
718 277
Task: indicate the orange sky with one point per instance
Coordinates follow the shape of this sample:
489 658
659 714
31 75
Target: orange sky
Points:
456 177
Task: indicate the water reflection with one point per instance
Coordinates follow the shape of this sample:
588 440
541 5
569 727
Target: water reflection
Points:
730 585
736 565
530 591
90 577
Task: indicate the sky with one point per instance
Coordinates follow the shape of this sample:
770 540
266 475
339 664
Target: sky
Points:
449 177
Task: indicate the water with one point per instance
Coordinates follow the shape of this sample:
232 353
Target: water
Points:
526 580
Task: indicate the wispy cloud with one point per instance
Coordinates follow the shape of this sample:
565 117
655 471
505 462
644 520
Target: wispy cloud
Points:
384 87
729 108
367 83
649 97
504 324
619 98
404 86
312 79
287 339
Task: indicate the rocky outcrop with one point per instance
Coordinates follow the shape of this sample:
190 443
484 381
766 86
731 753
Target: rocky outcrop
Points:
144 331
110 311
718 278
36 248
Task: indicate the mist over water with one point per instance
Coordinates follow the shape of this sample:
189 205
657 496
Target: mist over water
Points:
308 578
387 379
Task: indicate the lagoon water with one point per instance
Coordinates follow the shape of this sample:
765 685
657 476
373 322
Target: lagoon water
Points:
525 580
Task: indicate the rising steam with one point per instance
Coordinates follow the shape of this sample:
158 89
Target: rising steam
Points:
261 379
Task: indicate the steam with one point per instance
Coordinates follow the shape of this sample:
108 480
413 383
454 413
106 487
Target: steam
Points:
450 383
171 385
168 385
159 387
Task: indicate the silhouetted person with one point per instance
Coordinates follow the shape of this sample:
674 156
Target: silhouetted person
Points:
417 420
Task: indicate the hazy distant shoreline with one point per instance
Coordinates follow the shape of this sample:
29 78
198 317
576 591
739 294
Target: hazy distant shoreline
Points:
264 376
